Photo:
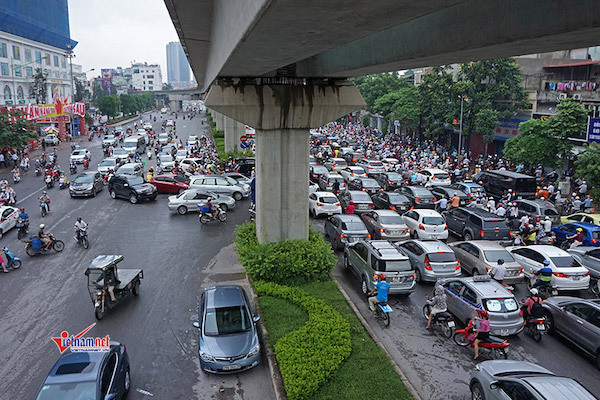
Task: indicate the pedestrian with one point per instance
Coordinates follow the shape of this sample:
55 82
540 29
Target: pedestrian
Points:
43 145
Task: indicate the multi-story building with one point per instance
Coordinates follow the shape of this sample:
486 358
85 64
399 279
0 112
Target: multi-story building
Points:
32 41
178 67
145 77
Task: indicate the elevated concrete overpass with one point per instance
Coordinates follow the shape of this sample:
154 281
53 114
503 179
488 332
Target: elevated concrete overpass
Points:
280 66
174 97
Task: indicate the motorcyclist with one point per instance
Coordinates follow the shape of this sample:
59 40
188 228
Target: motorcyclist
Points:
212 208
45 199
545 275
483 332
73 166
44 237
437 303
578 236
382 287
24 216
80 224
527 305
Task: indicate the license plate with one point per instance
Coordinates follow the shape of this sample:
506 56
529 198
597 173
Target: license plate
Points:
541 327
397 279
503 332
576 278
395 232
231 367
451 324
554 292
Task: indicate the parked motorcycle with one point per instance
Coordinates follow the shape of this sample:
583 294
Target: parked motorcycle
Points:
44 208
34 246
83 239
495 347
12 261
443 320
23 228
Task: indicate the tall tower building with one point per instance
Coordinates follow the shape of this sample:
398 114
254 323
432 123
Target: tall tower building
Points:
178 68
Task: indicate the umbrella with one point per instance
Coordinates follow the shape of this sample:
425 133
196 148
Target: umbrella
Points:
50 129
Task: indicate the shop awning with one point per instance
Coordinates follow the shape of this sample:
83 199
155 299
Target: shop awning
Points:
577 64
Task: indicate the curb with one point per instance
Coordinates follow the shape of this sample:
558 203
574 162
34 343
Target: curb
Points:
366 325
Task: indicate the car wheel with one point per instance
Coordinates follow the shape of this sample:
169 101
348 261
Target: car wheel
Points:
477 391
224 207
237 196
133 199
94 192
182 210
363 287
136 288
468 237
418 273
549 322
475 272
113 194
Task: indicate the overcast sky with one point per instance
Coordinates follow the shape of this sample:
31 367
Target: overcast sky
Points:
114 33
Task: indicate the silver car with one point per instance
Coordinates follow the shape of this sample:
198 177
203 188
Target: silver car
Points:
509 379
108 164
191 199
466 295
431 259
221 185
386 224
345 228
589 257
165 163
136 169
478 257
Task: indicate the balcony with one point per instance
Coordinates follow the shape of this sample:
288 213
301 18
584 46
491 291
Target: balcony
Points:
584 91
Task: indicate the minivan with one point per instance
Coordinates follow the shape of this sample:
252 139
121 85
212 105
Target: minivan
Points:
497 183
134 144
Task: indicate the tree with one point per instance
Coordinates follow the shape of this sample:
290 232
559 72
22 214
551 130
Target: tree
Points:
39 87
588 168
570 120
109 105
98 92
81 92
485 122
15 130
439 101
365 119
373 87
407 109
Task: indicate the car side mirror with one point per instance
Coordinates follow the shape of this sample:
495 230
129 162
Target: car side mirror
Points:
256 318
494 385
196 324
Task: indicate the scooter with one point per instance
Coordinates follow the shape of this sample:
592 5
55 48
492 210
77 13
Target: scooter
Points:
44 208
16 178
34 246
90 138
73 168
495 347
62 183
12 261
83 239
206 216
149 154
382 311
86 164
38 171
49 181
443 320
535 327
23 229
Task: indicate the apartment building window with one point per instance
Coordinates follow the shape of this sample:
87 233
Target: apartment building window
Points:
7 93
2 49
63 62
151 88
18 71
56 74
55 61
29 71
20 94
38 57
16 52
150 82
4 69
150 76
48 61
27 55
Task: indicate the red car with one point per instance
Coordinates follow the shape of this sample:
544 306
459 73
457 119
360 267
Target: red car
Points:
169 183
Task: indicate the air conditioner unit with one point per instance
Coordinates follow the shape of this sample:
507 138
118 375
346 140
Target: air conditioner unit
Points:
576 97
562 96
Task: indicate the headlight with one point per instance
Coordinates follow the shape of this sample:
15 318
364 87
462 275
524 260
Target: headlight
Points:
205 356
254 351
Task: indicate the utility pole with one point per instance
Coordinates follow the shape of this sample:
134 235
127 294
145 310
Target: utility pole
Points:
70 53
460 126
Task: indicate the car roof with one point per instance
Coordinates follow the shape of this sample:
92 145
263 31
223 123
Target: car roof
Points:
385 212
434 246
91 173
488 288
434 170
484 244
486 215
224 296
495 367
508 174
558 387
385 250
548 250
348 218
324 194
79 358
130 164
469 184
356 192
426 212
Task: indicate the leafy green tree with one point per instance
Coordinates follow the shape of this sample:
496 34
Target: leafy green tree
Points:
81 92
373 87
16 132
485 123
439 101
98 92
588 168
109 105
365 119
570 120
407 108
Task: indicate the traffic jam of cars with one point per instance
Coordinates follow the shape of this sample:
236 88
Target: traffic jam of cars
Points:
488 236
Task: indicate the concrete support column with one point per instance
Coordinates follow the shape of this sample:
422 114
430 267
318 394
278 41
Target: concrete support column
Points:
219 119
234 130
282 116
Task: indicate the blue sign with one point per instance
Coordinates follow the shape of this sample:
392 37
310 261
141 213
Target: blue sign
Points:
594 130
243 145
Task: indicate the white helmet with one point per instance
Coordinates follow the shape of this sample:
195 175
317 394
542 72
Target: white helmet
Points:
42 226
534 291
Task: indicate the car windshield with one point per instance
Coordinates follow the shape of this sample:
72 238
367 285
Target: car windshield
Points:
421 192
397 198
319 169
163 136
440 175
564 262
226 321
353 226
493 256
375 163
336 179
78 152
394 176
231 180
433 220
328 200
500 305
441 257
550 212
165 158
361 196
391 220
75 390
109 163
84 179
135 180
119 152
109 137
358 170
494 223
369 182
393 265
181 152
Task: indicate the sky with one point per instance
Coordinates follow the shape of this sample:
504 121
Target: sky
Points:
114 33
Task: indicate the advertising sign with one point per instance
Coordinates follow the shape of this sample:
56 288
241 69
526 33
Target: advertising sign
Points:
594 130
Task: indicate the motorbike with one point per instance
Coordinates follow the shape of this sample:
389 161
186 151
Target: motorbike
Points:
90 138
62 183
544 291
83 239
73 168
382 311
44 208
16 177
34 246
443 320
12 261
207 216
23 228
86 164
535 327
252 211
149 154
38 171
495 347
49 181
106 178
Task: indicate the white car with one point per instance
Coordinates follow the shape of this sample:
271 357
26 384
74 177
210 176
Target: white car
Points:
147 126
352 172
51 139
163 139
136 169
371 166
567 273
108 164
323 203
390 164
78 156
192 140
433 177
426 224
186 163
8 218
180 155
120 154
170 122
312 188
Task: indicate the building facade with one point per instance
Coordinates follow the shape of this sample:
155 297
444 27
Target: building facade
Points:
144 76
178 67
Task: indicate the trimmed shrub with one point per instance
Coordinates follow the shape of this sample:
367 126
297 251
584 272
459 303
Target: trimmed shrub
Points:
289 261
310 355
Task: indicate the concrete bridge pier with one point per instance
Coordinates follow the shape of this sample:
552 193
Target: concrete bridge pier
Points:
282 116
219 119
234 130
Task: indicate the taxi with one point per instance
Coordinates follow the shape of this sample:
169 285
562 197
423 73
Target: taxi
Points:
581 217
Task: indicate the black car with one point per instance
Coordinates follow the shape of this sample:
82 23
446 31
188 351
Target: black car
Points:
245 165
368 185
86 184
449 192
418 196
89 375
131 187
317 172
389 180
475 223
391 201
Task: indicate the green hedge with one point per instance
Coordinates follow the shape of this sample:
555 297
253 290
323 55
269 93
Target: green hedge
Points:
310 355
289 261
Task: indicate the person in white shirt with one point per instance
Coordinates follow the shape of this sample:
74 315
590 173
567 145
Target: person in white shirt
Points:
550 189
79 225
524 220
501 211
499 271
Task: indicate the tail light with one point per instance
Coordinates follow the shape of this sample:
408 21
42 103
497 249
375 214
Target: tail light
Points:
594 240
560 275
586 274
407 230
434 199
481 233
445 227
421 227
457 265
521 269
427 264
369 167
510 233
390 182
319 204
342 236
369 236
371 205
363 189
381 230
469 194
487 269
338 204
333 165
392 207
417 200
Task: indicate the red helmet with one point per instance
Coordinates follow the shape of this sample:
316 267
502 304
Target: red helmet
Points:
382 277
483 313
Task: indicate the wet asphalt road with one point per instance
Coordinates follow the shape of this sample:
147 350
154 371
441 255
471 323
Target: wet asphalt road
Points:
179 257
436 366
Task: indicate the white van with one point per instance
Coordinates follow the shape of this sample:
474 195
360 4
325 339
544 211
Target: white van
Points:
134 144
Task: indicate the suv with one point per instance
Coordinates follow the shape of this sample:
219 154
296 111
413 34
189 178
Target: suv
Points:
131 187
367 259
475 223
496 183
221 185
538 208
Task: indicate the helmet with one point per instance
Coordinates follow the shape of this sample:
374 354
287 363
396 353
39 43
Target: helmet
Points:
22 208
509 190
515 204
382 277
44 192
545 187
546 263
579 230
534 292
42 226
500 261
78 218
483 313
576 197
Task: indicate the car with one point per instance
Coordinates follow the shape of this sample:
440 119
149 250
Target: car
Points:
361 200
510 379
389 181
577 320
368 185
51 140
474 223
227 336
385 224
163 138
323 203
433 177
538 208
591 233
497 182
326 182
192 199
352 171
345 228
370 166
466 295
222 185
108 164
120 154
131 187
192 140
478 257
238 177
86 184
165 163
110 140
471 189
449 193
188 163
78 156
134 144
335 164
367 259
581 217
391 201
567 273
317 172
8 218
180 155
426 224
312 160
431 259
354 157
134 168
89 375
170 122
419 197
147 126
589 257
245 165
390 163
168 184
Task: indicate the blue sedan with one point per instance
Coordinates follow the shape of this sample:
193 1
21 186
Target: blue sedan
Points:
591 232
82 375
227 337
